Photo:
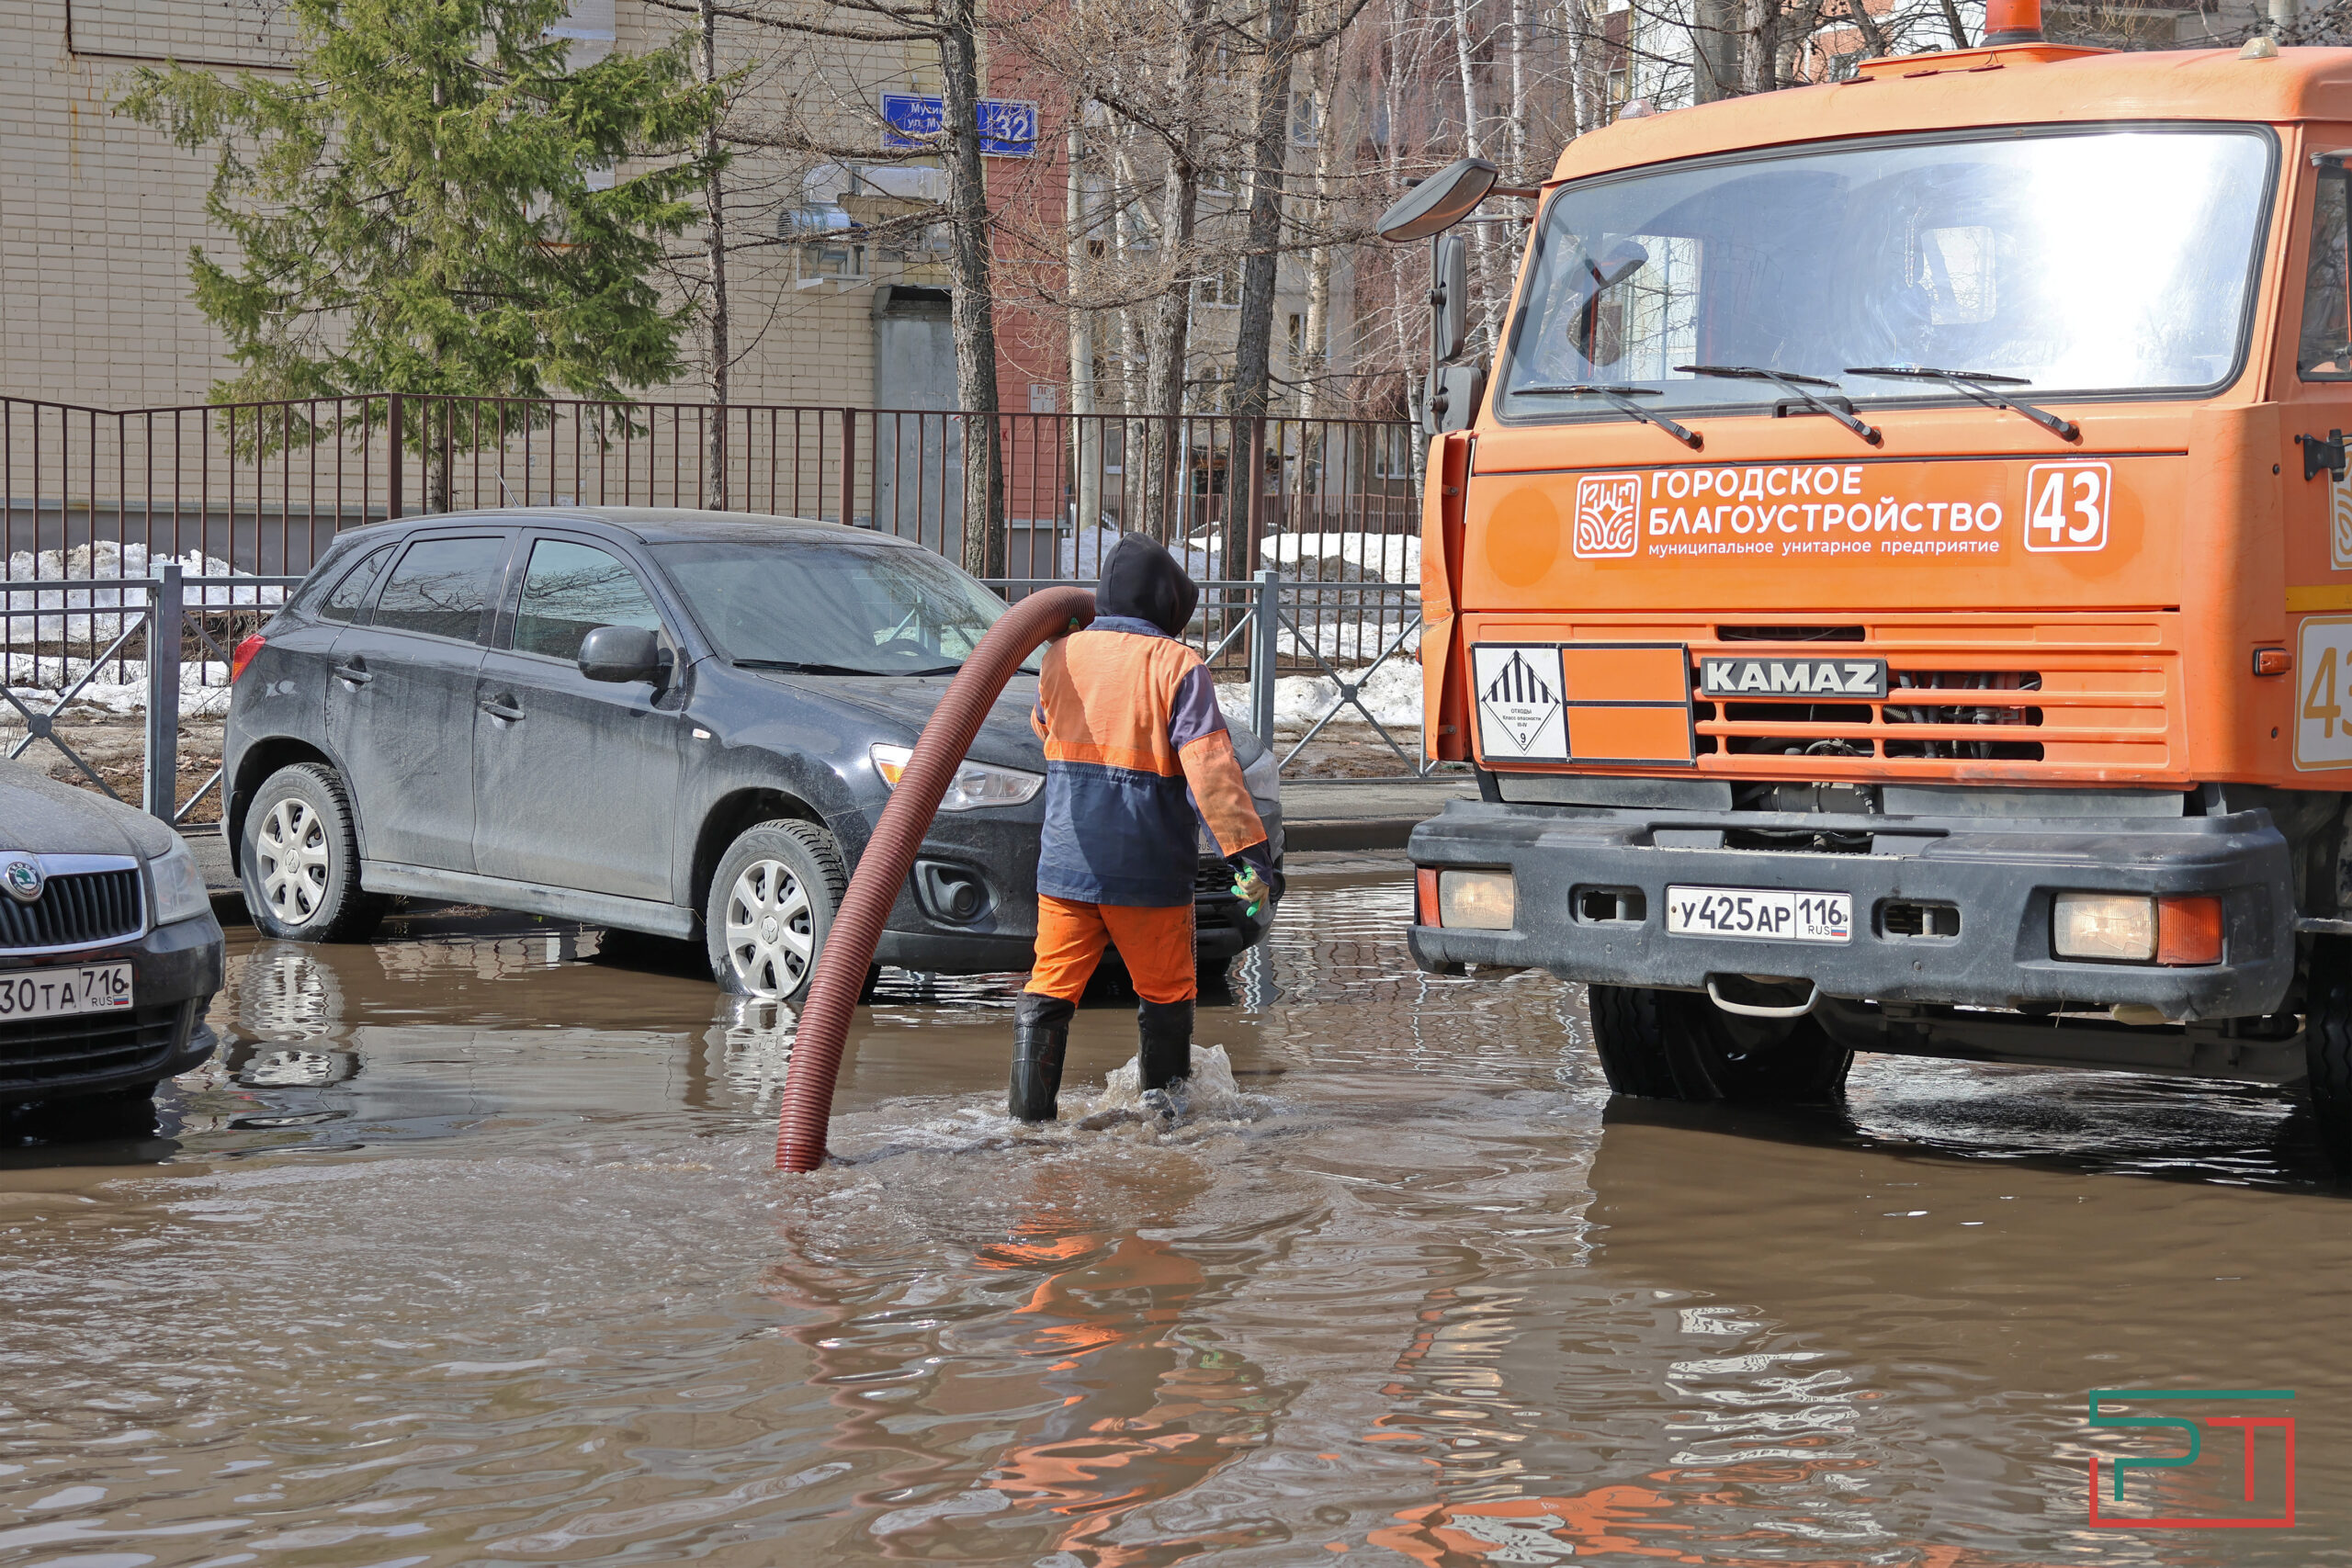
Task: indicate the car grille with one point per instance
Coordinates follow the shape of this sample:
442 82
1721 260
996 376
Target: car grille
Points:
1213 881
43 1051
73 909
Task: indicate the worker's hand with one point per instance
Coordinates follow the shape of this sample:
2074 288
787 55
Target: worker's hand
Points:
1255 881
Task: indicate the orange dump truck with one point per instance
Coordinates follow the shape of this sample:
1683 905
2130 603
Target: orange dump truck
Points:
1896 582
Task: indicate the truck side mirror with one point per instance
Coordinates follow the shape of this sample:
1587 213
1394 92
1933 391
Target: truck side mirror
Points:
621 654
1450 296
1450 398
1438 202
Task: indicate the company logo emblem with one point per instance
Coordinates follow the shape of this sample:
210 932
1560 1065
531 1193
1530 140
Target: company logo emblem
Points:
2251 1486
1608 515
23 879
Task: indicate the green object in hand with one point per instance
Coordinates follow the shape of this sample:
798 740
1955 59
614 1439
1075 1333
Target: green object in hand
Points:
1251 888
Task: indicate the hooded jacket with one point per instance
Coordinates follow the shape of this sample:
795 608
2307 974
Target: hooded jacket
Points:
1138 754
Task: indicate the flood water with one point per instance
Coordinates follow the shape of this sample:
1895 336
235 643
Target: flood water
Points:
469 1250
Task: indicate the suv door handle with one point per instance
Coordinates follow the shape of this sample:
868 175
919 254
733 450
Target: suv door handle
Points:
355 672
501 707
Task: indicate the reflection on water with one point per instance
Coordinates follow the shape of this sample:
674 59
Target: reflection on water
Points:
466 1250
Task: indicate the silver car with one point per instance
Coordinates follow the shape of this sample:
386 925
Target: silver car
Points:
109 954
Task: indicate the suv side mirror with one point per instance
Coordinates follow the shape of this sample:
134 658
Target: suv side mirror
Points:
621 653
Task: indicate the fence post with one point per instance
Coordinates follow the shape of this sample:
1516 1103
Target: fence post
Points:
849 470
165 605
1266 605
394 501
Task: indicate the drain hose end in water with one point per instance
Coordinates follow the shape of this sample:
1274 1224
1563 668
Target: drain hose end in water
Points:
882 870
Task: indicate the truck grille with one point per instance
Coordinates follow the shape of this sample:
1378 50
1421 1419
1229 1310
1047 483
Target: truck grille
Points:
41 1052
2015 694
73 909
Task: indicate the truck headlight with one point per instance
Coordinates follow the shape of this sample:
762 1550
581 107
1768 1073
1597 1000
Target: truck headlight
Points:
2117 927
1476 900
178 886
975 785
2130 927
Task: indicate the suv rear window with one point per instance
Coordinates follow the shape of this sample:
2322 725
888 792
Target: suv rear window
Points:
441 587
351 593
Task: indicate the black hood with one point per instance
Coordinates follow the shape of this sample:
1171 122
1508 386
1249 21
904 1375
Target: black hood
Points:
1140 579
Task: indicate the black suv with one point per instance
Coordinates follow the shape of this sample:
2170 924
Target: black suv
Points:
680 723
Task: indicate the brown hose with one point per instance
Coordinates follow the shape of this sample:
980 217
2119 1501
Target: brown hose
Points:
1038 619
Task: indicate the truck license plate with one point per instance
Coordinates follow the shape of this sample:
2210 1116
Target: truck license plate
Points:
63 991
1762 913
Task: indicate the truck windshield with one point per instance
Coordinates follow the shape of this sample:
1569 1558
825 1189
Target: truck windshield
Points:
2078 262
845 607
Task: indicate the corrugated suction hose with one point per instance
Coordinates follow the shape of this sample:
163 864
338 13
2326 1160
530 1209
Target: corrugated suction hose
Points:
823 1024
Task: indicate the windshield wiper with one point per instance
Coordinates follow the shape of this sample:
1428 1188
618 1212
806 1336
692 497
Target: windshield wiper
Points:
794 667
1977 385
1623 397
1793 383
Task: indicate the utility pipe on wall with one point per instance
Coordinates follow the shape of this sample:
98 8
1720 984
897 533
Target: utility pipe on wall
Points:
882 870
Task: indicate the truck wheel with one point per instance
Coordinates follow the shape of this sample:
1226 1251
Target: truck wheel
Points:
300 860
772 901
2327 1045
1678 1045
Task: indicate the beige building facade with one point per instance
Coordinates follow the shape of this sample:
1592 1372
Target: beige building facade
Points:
97 211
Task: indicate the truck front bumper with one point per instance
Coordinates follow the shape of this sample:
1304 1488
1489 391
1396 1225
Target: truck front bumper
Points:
2001 875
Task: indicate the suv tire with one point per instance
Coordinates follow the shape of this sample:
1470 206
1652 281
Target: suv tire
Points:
771 900
1678 1045
299 861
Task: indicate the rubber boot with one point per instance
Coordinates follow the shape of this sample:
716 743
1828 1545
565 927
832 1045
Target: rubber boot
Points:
1040 1036
1166 1054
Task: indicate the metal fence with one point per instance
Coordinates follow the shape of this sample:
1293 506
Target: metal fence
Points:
102 513
262 486
155 629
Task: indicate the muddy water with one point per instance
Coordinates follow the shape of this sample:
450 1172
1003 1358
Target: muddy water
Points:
469 1252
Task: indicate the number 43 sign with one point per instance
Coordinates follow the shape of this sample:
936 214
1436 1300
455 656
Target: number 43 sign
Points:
2324 704
2067 506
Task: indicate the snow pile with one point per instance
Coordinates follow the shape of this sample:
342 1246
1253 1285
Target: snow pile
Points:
1082 553
204 688
1393 693
81 574
1352 557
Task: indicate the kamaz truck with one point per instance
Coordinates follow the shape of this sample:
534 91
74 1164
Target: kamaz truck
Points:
1893 581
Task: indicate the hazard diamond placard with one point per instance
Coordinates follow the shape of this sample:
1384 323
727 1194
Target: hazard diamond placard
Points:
1517 688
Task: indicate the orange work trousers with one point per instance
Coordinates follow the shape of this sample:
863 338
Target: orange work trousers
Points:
1156 943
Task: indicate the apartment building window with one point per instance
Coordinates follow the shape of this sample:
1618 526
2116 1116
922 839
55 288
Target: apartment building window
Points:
1222 288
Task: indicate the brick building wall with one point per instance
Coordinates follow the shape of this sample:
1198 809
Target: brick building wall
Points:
97 211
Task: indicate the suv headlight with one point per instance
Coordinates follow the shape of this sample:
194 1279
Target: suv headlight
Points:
179 885
975 785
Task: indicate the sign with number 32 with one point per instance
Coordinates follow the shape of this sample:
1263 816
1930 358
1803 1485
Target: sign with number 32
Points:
2067 506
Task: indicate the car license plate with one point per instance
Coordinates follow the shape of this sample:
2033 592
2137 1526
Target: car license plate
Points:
64 991
1764 914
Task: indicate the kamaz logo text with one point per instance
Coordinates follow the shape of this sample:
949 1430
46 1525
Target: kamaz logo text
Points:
1801 677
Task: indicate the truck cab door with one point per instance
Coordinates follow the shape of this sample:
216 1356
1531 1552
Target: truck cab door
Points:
2316 427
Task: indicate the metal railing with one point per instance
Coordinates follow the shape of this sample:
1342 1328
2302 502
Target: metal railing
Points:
102 512
1266 628
154 622
262 486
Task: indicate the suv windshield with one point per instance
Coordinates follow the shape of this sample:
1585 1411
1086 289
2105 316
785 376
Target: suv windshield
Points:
843 606
2108 261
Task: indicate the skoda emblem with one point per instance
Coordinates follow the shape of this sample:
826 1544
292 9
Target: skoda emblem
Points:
23 879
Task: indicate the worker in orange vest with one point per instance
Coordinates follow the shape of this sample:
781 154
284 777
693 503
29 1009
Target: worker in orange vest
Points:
1137 758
